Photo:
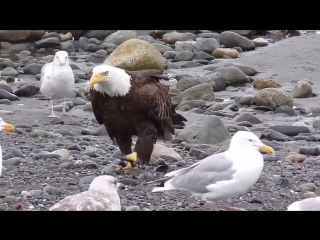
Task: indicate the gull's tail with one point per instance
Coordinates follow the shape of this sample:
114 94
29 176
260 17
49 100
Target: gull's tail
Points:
165 185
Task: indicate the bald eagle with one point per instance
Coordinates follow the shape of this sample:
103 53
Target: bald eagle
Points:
132 103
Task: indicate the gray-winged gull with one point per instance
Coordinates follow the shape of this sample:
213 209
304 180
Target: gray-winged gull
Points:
309 204
221 176
57 80
9 128
101 196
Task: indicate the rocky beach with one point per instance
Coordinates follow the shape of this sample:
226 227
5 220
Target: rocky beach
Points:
221 82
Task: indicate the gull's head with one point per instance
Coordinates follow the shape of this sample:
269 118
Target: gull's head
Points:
110 80
248 141
6 126
105 184
61 58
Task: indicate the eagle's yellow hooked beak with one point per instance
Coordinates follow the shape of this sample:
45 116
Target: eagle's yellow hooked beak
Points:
8 127
96 78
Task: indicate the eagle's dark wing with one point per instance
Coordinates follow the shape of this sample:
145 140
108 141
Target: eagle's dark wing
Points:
153 96
95 107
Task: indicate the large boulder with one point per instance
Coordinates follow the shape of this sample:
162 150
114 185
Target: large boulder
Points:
273 98
20 36
136 54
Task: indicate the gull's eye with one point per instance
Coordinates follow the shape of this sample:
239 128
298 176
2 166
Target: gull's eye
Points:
250 140
105 73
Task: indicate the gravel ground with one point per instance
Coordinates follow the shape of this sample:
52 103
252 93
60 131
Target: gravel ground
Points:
34 180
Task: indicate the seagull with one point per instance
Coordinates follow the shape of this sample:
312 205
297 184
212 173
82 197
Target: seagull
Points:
57 80
221 176
101 196
309 204
9 128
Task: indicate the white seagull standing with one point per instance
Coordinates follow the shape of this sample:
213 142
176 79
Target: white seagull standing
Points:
221 176
101 196
9 128
57 80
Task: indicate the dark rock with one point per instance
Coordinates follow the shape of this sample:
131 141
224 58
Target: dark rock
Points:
33 68
6 95
51 42
286 110
27 91
290 130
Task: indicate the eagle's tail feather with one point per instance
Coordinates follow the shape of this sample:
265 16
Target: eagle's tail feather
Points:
160 77
178 119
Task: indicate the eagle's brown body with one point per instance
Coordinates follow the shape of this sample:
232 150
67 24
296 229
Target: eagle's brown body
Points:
146 111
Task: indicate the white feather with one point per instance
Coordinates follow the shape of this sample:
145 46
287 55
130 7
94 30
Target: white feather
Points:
118 83
57 79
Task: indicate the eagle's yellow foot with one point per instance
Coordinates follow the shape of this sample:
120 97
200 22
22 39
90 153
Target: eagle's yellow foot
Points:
131 157
130 166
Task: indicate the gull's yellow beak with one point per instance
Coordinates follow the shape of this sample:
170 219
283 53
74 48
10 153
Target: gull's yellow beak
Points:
8 127
267 149
96 79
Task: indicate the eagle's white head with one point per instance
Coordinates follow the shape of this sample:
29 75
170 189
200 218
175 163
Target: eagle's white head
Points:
110 80
61 58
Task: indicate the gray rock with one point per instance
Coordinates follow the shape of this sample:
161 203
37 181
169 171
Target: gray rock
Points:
120 36
33 68
186 46
203 129
260 42
184 56
162 48
307 187
27 91
98 34
169 54
52 190
232 39
290 130
233 75
302 89
216 79
203 56
209 35
148 39
187 82
67 46
207 45
174 37
286 110
202 91
50 42
246 100
6 87
5 64
273 98
9 71
248 117
6 95
247 70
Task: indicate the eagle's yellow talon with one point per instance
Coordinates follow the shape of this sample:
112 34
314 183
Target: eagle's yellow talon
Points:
131 157
128 167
